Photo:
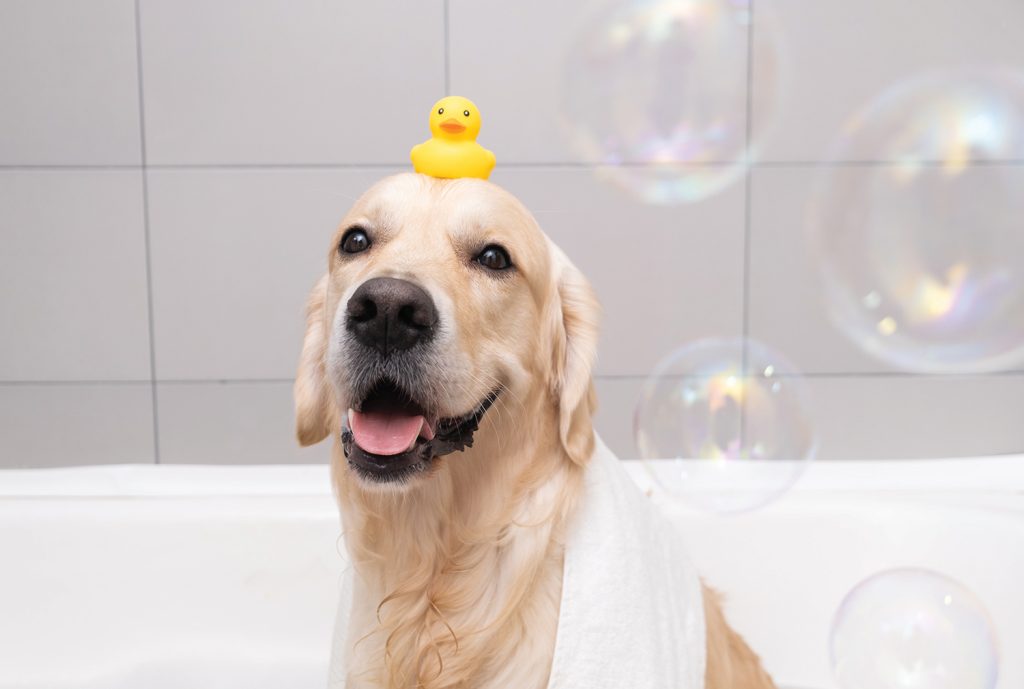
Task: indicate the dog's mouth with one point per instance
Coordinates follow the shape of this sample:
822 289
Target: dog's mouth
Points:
388 436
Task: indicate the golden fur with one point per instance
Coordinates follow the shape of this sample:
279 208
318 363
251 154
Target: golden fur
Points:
459 573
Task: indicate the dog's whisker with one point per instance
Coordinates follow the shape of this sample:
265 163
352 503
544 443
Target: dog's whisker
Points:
499 405
503 406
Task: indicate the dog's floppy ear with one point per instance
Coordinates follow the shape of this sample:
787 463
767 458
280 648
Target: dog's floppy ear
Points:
576 314
315 412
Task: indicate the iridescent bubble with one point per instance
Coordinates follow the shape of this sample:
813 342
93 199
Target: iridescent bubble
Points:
657 90
725 425
920 239
913 629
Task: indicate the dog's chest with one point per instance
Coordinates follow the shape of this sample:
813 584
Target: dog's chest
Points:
497 641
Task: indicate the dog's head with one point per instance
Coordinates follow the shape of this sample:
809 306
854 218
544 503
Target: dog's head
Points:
442 299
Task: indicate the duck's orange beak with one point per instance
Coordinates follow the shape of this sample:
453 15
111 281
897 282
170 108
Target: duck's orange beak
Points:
452 126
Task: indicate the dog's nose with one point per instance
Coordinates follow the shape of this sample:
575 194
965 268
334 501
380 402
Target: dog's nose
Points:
389 314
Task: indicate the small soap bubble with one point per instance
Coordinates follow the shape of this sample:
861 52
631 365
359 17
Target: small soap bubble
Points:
919 228
657 91
725 425
913 629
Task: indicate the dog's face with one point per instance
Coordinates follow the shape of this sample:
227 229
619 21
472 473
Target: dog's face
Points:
442 298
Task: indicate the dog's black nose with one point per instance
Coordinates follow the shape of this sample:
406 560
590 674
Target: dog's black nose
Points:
390 314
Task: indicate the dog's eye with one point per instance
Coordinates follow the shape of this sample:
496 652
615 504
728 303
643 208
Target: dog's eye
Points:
354 241
440 111
494 257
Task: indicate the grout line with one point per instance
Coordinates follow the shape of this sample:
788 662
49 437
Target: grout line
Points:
167 381
584 165
518 165
225 381
447 51
1008 162
748 183
69 167
277 166
597 376
145 225
825 375
56 383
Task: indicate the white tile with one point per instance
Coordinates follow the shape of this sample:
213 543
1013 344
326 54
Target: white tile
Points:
665 275
873 417
69 79
839 55
787 307
231 423
234 255
908 417
72 425
287 81
513 73
73 276
512 59
616 403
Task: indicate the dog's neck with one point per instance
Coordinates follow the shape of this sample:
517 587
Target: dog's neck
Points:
456 562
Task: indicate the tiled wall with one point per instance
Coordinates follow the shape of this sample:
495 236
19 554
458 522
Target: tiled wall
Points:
171 171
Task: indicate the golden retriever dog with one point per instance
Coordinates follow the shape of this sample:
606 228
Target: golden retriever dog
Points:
448 353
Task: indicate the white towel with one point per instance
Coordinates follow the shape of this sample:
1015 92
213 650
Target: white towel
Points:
631 613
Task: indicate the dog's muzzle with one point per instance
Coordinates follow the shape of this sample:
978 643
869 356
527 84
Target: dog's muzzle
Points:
390 438
393 430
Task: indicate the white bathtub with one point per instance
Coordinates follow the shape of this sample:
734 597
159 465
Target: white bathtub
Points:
156 577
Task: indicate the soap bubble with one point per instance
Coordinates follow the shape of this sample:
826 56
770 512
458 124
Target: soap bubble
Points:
921 243
913 629
657 90
723 436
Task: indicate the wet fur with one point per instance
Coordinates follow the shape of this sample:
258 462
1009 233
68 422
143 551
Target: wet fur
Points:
488 524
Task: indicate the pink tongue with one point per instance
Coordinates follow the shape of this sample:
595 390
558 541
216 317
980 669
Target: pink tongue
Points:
384 432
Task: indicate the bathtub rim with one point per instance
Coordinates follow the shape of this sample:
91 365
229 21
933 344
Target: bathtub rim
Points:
1002 474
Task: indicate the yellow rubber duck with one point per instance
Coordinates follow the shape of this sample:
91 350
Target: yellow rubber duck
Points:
452 151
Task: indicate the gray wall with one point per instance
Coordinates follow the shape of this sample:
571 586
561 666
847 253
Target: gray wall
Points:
173 169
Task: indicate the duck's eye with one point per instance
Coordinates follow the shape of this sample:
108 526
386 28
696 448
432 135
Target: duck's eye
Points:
354 241
440 111
494 257
466 113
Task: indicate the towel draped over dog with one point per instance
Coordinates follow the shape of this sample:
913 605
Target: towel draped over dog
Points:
631 612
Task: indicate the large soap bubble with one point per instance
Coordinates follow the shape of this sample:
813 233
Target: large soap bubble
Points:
913 629
919 228
725 425
657 90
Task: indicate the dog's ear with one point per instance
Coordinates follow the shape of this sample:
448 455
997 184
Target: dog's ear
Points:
315 412
574 346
